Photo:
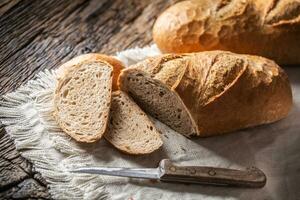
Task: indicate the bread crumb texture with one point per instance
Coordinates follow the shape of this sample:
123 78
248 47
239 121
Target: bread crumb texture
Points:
129 129
82 100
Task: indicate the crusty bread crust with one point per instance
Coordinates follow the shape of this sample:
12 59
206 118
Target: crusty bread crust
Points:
269 28
222 91
117 65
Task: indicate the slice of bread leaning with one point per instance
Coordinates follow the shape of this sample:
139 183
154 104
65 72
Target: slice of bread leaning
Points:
129 129
82 99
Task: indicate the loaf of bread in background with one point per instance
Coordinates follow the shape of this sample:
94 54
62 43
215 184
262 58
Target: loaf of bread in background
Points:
129 129
117 65
209 93
269 28
82 98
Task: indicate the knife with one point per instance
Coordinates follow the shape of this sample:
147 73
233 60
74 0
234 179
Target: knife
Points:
168 172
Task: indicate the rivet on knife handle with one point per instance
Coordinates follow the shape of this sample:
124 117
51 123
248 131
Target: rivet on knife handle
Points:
252 177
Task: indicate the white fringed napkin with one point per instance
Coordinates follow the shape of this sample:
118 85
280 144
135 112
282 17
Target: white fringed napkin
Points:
27 114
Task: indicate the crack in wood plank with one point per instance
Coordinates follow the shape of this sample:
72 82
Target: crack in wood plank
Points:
18 179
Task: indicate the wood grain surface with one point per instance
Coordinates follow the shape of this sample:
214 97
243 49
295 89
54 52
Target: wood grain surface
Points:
38 35
18 178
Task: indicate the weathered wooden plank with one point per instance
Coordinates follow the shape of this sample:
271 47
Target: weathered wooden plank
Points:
35 36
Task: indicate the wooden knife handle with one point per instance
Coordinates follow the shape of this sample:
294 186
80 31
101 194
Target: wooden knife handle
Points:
252 177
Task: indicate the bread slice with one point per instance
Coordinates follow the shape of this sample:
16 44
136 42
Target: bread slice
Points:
157 99
130 130
117 65
82 99
209 93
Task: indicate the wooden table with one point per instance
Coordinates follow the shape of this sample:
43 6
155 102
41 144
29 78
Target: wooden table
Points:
37 35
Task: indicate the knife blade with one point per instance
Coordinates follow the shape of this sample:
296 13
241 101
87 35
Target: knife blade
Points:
168 172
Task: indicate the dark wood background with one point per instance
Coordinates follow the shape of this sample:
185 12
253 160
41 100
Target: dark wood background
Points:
42 34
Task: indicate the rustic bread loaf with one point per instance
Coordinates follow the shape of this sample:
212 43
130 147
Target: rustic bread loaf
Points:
269 28
130 130
117 65
209 93
82 99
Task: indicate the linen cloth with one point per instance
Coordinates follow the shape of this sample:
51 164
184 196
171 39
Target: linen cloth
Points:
274 148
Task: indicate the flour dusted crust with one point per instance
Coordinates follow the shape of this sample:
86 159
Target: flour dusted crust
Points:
221 91
269 28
